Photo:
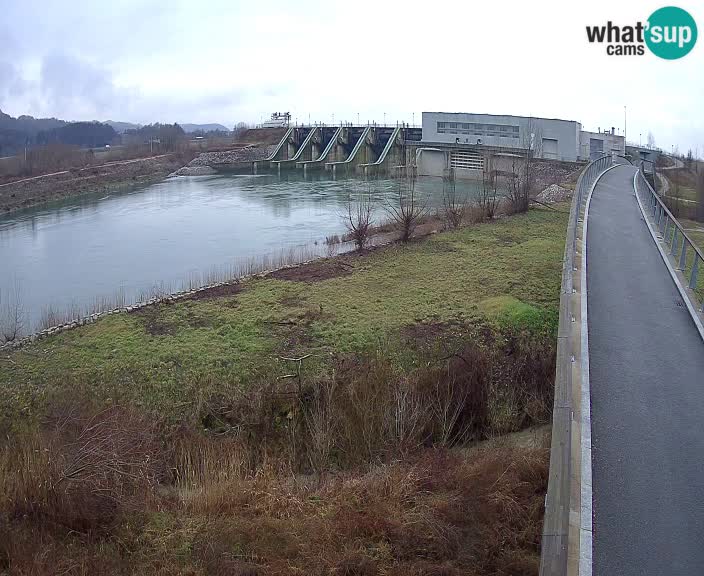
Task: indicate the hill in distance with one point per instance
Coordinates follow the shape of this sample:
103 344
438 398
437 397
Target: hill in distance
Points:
204 127
121 127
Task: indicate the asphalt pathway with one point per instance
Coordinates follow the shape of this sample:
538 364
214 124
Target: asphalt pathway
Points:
647 392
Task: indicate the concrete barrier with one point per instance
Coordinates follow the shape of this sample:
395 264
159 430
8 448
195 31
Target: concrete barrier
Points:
566 541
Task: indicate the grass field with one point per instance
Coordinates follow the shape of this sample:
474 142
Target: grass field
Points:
695 230
166 357
183 438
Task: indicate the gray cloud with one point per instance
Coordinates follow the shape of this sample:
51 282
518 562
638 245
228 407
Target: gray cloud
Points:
224 61
73 87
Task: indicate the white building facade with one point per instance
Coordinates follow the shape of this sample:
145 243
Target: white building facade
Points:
460 140
595 144
549 138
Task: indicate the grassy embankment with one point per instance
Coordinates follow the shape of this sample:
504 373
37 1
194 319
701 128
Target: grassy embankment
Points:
682 201
183 439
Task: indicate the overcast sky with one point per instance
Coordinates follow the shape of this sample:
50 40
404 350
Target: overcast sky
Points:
230 61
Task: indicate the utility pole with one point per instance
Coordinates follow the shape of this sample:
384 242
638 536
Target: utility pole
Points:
624 128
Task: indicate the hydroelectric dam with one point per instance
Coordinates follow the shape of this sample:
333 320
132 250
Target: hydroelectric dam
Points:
368 150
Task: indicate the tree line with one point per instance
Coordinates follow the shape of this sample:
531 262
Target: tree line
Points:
28 133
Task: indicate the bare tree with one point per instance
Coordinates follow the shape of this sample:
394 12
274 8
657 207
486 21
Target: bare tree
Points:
407 208
239 129
651 140
522 181
454 203
11 314
488 199
358 219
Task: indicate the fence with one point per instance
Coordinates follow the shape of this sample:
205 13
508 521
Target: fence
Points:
688 257
564 483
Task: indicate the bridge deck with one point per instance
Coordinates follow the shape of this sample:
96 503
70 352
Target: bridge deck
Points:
647 391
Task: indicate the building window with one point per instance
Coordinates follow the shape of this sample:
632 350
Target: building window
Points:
477 129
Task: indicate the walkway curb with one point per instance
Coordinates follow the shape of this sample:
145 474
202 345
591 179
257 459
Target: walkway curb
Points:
566 546
585 532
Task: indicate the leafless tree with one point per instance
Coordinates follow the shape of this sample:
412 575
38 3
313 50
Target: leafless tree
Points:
689 161
407 208
651 140
358 219
239 129
454 204
488 199
12 317
521 183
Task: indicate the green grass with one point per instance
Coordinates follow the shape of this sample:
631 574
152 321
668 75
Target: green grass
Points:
169 357
685 193
695 230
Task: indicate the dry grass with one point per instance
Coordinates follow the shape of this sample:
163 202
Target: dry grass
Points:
437 511
370 471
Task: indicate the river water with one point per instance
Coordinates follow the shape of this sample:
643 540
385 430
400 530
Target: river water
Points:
80 254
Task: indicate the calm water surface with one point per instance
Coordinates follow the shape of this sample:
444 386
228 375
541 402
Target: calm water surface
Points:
70 254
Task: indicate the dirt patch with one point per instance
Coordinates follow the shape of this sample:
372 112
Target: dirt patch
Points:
505 240
293 335
216 292
261 136
439 336
197 320
154 323
315 271
292 301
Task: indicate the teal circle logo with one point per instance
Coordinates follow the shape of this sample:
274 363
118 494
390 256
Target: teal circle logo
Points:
670 33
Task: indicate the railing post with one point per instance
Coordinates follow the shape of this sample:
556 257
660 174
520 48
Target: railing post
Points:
695 271
683 255
675 242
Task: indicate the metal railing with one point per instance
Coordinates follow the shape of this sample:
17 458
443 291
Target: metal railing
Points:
688 258
557 538
585 183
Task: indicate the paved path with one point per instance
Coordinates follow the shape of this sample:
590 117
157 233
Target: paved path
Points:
647 387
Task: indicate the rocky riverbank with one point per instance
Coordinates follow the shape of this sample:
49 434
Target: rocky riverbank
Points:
207 162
